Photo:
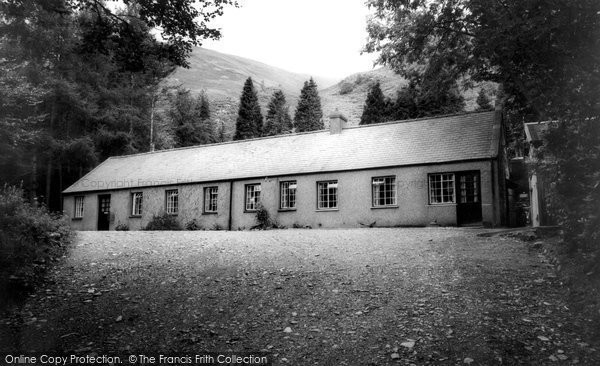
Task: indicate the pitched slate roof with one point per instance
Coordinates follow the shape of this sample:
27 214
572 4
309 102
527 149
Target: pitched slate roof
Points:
534 131
412 142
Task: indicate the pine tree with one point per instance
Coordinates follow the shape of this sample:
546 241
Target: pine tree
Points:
406 102
204 124
190 118
278 120
375 106
483 102
204 106
309 116
249 121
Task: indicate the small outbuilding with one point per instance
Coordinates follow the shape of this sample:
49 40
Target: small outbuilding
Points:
447 170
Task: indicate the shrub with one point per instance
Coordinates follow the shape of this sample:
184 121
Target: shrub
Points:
193 225
218 227
30 238
346 87
122 227
163 221
263 218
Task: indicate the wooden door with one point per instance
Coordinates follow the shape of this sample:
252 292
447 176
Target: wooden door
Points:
104 212
468 208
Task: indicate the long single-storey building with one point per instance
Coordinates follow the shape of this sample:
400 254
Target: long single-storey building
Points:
446 171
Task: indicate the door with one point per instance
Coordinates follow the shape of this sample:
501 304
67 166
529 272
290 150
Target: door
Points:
103 212
468 209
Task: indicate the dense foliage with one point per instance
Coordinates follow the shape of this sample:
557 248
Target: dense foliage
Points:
546 57
249 123
80 81
30 237
375 109
163 221
483 101
309 115
190 119
278 120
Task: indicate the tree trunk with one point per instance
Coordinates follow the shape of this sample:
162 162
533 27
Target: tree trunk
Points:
60 182
48 180
33 178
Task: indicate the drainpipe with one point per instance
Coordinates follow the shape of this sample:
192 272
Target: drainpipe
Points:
230 204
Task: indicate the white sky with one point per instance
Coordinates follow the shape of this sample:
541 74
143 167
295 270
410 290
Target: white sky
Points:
317 37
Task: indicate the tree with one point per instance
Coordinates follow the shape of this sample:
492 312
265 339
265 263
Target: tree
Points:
544 54
190 118
483 102
88 78
375 106
278 120
309 116
249 121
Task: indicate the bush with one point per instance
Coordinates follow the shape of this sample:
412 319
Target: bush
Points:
263 218
163 221
193 225
30 238
122 227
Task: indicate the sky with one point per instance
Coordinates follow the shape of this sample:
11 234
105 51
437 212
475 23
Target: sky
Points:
316 37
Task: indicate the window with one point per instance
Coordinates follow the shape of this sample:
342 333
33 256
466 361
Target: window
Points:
441 188
384 191
252 197
172 201
327 195
78 207
211 195
288 194
136 204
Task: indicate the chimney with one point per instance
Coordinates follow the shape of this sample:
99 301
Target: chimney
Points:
337 122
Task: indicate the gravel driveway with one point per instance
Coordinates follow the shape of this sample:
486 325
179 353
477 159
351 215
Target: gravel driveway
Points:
307 297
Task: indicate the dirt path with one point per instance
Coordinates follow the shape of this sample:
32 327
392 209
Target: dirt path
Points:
348 297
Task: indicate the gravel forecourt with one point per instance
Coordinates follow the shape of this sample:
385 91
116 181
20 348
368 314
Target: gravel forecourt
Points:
307 297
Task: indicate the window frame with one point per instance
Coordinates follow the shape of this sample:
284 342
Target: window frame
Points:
208 200
328 194
431 190
256 202
76 213
176 201
290 195
394 196
133 211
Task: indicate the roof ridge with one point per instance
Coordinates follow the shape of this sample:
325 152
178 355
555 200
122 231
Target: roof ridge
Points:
301 133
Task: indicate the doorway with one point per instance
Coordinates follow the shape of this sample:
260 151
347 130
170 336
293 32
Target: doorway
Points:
104 212
468 209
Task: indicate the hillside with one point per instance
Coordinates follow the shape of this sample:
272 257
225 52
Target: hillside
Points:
222 76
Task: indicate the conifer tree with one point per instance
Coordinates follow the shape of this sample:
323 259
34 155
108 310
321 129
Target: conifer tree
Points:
249 121
205 124
309 116
483 102
278 120
375 106
190 118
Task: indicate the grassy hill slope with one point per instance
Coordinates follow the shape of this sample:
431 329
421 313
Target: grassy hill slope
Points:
222 77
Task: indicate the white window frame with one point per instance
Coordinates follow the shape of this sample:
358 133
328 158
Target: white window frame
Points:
79 207
137 199
287 194
252 197
172 201
442 188
384 189
211 197
327 195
